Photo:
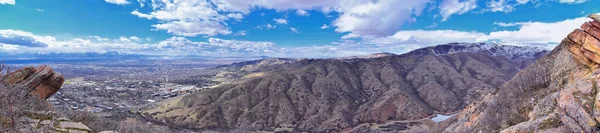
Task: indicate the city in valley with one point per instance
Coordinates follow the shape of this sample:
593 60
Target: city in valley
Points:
118 88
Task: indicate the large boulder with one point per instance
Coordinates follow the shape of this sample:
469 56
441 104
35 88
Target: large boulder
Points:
41 82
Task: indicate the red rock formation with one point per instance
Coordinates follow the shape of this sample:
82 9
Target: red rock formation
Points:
586 46
41 82
588 40
559 93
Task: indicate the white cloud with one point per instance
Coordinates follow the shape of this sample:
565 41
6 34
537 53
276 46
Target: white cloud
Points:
182 10
25 39
193 28
373 26
245 6
8 2
505 5
499 6
236 16
269 26
363 17
156 4
379 18
301 12
130 39
342 48
368 18
28 42
188 18
142 15
184 46
118 2
351 35
17 41
511 24
538 32
432 25
241 33
450 7
266 26
523 1
243 46
39 10
8 47
422 38
530 33
503 24
280 21
179 44
544 34
294 30
141 2
324 26
572 1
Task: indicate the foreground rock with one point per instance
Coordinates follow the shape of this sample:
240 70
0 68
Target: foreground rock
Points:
559 93
41 82
46 121
23 107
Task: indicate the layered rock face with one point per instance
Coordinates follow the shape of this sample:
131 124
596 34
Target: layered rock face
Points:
585 45
559 93
41 82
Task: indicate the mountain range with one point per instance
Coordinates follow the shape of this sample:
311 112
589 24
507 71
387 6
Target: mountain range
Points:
58 57
323 95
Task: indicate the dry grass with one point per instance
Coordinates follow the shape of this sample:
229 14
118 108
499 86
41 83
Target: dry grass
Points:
252 75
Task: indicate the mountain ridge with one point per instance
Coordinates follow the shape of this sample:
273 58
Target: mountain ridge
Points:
323 95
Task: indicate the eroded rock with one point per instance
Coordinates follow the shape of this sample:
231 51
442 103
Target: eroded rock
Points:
41 82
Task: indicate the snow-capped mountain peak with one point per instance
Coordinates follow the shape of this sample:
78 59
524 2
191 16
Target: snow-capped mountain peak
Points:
513 52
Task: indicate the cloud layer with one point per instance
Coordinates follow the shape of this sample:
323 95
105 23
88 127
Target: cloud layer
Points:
367 26
528 33
21 38
16 41
365 18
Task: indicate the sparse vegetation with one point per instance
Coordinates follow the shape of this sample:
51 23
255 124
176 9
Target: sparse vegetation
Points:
15 104
549 123
511 104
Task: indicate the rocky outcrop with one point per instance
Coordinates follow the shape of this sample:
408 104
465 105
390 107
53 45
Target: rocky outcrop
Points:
559 93
41 82
23 107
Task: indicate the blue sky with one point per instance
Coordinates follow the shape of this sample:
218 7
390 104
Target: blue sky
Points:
292 28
